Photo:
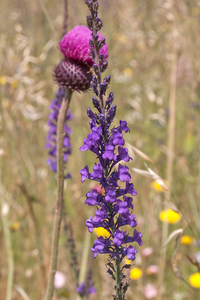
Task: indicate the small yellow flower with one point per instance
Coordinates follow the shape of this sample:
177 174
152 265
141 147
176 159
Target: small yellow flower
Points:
120 38
194 280
128 72
3 80
187 240
14 83
195 11
159 188
169 216
128 261
100 231
15 226
135 274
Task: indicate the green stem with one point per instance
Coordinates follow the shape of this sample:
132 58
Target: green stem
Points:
47 16
59 200
38 235
9 254
118 280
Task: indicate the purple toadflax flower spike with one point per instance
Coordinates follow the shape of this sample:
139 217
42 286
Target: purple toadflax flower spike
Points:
114 207
52 137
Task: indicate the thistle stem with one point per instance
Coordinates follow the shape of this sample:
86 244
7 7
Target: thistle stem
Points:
59 200
118 280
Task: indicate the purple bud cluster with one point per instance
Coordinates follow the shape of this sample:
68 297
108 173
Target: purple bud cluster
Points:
51 136
83 290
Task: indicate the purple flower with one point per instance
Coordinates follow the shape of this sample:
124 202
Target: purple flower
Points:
91 197
112 212
84 173
119 237
131 251
51 138
123 173
114 207
75 45
109 152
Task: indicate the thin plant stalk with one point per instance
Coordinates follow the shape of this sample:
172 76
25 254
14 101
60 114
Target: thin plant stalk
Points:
38 236
60 190
47 16
65 21
84 260
170 160
118 280
9 251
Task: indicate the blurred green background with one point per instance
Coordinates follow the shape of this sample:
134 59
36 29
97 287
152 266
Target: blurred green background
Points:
154 64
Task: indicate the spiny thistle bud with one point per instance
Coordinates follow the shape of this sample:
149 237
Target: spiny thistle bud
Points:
74 75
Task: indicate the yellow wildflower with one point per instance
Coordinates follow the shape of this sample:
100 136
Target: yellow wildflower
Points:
128 72
135 274
120 38
187 240
3 80
100 231
169 216
15 226
194 280
162 187
128 261
14 83
195 11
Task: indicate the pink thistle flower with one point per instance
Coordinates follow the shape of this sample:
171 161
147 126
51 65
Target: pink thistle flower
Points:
75 45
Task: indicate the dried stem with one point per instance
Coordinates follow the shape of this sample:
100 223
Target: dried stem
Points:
65 21
60 187
47 16
38 235
170 160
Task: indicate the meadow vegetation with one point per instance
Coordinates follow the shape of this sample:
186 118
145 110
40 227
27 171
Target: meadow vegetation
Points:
154 64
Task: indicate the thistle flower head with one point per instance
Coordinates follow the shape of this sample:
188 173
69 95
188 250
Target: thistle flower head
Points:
74 71
75 45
